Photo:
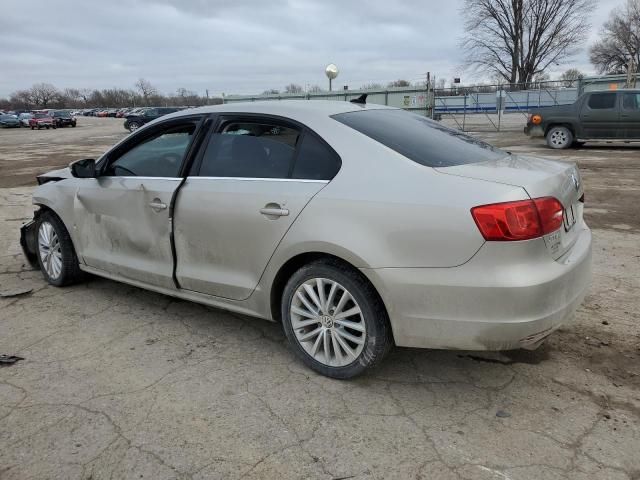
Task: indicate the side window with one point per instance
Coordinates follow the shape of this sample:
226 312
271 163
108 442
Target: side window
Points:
602 101
158 156
250 149
316 161
631 101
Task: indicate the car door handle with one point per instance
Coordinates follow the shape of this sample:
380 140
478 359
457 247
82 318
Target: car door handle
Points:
157 205
274 212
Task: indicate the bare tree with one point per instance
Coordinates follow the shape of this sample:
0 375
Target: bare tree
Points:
619 46
271 91
315 89
146 89
85 94
517 39
571 76
22 99
372 86
293 88
42 94
399 83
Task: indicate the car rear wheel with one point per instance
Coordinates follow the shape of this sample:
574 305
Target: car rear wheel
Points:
33 128
559 137
133 126
334 320
56 255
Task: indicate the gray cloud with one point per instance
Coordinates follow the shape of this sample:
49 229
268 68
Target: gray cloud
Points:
233 47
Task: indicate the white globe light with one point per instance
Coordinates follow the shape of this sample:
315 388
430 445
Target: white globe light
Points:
331 71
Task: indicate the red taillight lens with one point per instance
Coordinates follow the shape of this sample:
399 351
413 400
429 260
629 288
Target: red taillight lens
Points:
551 212
521 220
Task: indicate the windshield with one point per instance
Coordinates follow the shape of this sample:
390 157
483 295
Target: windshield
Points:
6 117
419 138
62 115
41 115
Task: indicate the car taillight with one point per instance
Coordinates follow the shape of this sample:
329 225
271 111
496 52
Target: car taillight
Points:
519 220
536 119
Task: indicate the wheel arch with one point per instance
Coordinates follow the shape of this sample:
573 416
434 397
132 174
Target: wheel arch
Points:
45 207
568 125
288 268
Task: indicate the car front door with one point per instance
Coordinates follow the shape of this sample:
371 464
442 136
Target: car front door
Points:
244 193
599 116
123 217
630 115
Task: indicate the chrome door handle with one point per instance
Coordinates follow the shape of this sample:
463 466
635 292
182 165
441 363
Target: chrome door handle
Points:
157 205
274 212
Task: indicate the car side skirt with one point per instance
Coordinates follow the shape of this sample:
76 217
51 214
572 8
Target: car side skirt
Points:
241 307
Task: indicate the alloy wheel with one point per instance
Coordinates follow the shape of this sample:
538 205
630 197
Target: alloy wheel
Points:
328 322
50 250
559 138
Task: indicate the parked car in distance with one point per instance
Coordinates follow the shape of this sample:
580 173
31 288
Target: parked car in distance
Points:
135 121
41 120
356 226
63 118
596 116
9 121
24 119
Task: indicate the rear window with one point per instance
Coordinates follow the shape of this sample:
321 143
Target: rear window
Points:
420 139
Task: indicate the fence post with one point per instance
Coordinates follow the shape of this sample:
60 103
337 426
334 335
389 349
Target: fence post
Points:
464 113
386 98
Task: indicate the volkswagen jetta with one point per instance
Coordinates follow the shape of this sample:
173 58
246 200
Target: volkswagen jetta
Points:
356 226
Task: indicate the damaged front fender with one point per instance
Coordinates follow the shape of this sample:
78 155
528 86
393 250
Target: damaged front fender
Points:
29 242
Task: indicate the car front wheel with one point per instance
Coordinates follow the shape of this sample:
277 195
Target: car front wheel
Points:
56 255
334 320
133 126
559 137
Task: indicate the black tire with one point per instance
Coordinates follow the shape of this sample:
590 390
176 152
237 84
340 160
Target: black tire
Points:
73 125
70 271
33 128
378 331
578 144
559 137
133 126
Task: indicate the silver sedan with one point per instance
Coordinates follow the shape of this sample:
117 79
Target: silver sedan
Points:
356 226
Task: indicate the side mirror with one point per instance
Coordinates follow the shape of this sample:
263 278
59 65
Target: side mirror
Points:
84 168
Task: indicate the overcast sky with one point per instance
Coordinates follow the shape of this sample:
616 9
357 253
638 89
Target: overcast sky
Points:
241 46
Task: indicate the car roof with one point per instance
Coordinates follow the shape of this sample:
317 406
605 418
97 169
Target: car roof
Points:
296 109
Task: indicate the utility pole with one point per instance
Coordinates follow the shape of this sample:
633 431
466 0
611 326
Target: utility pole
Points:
207 92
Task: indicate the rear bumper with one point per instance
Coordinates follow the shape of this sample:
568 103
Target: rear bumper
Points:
483 304
534 130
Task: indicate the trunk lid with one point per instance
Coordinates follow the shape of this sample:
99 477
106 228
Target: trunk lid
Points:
539 178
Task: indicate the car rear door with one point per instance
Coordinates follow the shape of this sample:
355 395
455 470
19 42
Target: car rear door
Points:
122 218
630 115
245 191
599 116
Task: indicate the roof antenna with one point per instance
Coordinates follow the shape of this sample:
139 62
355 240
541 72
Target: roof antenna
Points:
362 99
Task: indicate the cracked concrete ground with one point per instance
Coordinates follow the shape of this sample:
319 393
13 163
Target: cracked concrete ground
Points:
117 382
